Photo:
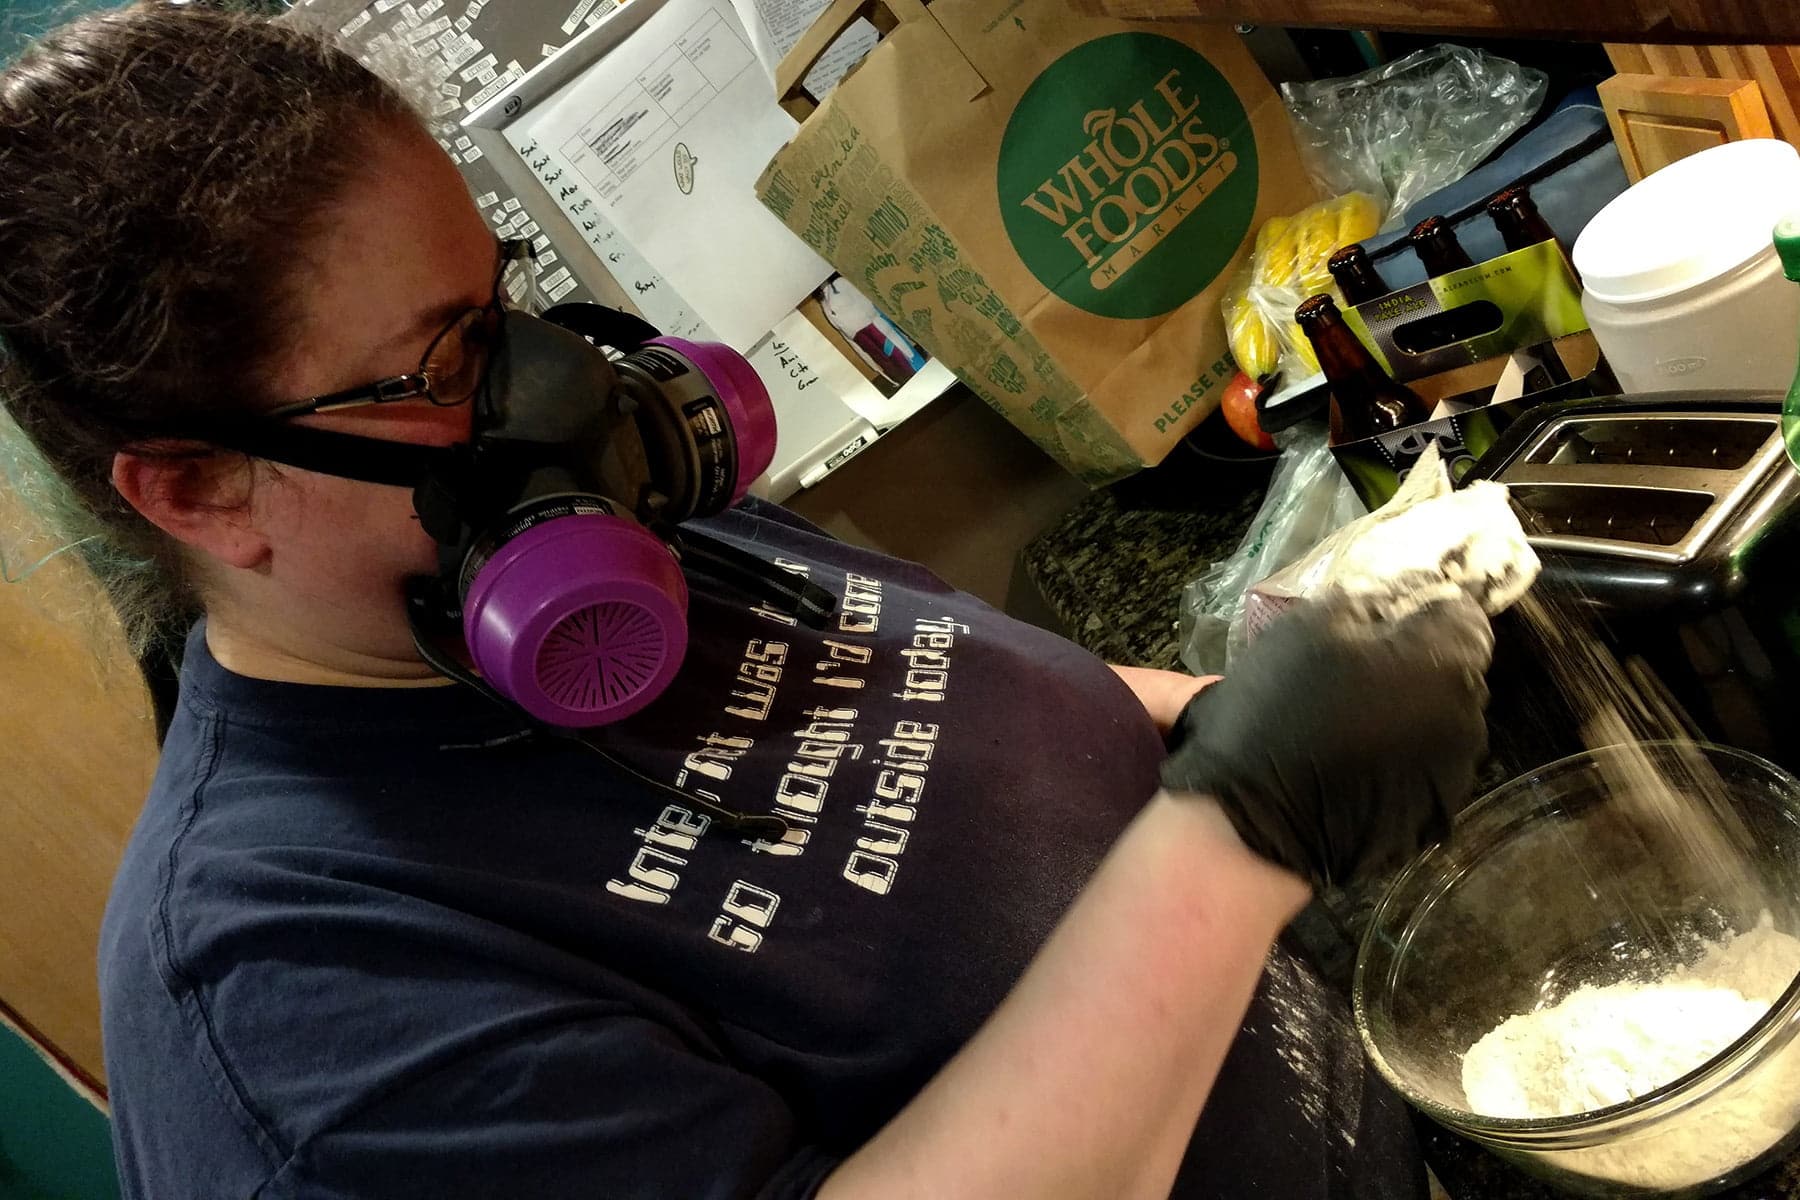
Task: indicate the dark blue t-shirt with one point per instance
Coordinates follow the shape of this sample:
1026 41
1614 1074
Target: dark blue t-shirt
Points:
376 943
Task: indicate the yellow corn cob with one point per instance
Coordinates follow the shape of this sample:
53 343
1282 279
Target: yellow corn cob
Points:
1273 228
1303 347
1358 218
1253 343
1277 262
1314 281
1316 239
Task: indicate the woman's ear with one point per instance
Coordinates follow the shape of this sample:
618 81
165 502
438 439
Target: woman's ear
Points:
199 498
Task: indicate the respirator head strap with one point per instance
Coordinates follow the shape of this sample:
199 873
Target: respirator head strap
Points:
805 601
609 327
345 455
424 617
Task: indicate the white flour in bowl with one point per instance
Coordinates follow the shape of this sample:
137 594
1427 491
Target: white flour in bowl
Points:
1604 1045
1601 1046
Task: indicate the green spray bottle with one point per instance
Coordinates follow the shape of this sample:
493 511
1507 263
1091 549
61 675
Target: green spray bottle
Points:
1787 245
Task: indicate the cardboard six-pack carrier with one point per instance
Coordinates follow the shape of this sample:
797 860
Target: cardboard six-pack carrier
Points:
1452 339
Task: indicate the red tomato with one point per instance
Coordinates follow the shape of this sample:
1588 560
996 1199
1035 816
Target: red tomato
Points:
1239 404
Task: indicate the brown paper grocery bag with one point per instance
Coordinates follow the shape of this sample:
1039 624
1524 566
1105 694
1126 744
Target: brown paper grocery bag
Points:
1048 202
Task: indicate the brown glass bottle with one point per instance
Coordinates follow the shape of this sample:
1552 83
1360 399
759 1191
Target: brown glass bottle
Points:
1518 220
1356 276
1365 400
1516 216
1436 245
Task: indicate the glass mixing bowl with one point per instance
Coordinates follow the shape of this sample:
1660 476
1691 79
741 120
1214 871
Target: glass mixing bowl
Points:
1549 883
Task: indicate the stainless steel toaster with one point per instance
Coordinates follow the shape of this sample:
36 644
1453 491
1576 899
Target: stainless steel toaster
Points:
1673 520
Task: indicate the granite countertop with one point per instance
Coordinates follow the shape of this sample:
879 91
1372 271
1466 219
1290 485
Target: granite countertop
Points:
1112 571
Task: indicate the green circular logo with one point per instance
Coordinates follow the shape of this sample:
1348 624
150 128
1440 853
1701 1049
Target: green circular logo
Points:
1127 175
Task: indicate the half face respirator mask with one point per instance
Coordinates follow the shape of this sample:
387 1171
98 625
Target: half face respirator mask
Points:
561 564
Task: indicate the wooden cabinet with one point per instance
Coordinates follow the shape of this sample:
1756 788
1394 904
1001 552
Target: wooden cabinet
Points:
1719 43
1594 20
1774 69
1657 119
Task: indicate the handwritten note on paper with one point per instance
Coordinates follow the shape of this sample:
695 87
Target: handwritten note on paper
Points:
817 429
801 340
784 361
660 303
666 134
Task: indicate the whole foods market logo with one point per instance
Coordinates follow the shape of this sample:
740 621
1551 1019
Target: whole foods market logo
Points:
1128 175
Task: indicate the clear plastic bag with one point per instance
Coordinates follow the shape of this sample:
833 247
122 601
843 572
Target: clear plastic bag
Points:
1287 266
1308 499
1405 129
1430 541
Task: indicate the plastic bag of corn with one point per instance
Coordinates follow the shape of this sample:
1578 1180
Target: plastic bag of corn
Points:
1287 266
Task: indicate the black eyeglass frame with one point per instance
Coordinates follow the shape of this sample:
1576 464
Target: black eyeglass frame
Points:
414 385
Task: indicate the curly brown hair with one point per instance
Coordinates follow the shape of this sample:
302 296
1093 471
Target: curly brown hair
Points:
163 169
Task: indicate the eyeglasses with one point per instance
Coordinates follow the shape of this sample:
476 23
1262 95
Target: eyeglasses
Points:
453 364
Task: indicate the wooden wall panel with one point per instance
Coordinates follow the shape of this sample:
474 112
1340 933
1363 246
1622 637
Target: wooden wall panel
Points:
1629 58
76 756
1773 68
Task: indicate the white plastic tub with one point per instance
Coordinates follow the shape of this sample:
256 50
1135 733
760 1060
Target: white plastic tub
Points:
1683 288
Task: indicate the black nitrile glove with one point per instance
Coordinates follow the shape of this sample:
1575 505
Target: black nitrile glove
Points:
1338 746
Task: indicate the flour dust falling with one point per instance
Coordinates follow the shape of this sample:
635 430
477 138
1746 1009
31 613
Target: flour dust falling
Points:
1675 803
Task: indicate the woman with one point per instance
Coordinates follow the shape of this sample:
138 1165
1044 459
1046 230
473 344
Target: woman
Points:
372 938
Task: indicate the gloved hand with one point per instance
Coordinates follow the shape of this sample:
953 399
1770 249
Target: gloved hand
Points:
1339 746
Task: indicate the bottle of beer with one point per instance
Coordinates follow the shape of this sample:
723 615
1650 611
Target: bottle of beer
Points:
1520 223
1365 400
1517 217
1356 276
1436 245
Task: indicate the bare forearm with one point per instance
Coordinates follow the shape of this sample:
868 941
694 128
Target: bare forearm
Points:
1087 1081
1163 693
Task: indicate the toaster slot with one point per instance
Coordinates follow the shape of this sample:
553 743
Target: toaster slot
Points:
1702 443
1637 516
